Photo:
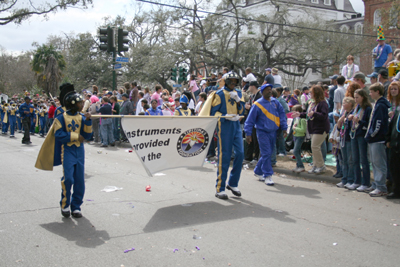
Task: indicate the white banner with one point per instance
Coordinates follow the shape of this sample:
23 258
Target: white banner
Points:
163 143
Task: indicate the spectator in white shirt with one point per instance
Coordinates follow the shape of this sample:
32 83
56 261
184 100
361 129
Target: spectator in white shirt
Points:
350 69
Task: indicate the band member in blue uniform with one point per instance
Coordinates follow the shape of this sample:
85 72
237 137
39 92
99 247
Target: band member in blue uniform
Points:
42 114
26 111
70 129
12 117
267 115
4 119
19 121
183 109
228 102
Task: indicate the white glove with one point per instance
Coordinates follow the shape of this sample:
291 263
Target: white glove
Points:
234 117
234 95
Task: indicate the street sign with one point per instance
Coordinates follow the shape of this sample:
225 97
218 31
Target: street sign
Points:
177 85
122 59
117 66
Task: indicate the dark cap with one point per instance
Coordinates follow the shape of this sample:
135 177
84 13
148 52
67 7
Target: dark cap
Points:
27 97
109 93
305 88
384 73
254 83
374 74
287 89
334 77
359 75
125 95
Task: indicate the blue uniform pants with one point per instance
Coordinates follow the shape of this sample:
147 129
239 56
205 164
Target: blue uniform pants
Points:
4 127
229 136
266 142
42 125
73 161
33 126
13 121
19 122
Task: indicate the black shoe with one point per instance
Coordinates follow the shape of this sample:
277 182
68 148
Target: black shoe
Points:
112 144
104 145
338 175
77 214
221 195
26 142
66 214
235 192
393 196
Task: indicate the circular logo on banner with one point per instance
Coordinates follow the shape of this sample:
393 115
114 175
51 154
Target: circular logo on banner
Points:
192 142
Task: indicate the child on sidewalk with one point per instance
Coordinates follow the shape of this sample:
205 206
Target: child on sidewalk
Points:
299 133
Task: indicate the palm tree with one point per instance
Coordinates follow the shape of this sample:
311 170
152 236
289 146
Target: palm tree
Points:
48 64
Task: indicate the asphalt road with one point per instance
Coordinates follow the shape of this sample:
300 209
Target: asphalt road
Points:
180 222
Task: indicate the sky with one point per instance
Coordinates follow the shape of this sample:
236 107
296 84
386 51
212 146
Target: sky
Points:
18 38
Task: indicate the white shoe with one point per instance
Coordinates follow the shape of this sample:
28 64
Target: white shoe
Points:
320 170
281 155
362 188
299 170
260 177
353 186
268 181
312 169
347 185
369 189
377 193
221 195
340 185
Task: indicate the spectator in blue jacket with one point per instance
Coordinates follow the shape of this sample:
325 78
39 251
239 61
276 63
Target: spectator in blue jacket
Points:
377 129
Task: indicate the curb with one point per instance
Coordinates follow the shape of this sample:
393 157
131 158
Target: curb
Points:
315 177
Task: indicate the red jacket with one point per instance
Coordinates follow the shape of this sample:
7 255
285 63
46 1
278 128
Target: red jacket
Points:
52 109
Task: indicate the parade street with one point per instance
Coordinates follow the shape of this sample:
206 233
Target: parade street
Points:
180 222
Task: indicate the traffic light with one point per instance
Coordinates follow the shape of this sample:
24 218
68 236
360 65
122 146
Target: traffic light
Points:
182 75
173 74
122 40
106 39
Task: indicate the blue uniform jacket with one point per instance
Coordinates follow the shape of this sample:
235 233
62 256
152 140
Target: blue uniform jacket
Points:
24 107
223 104
269 118
60 110
67 129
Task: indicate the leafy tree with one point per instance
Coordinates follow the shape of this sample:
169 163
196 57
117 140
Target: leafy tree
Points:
15 73
48 64
17 11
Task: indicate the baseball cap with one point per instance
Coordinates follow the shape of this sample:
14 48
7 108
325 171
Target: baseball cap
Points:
125 95
384 73
109 93
374 74
359 75
268 69
334 77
